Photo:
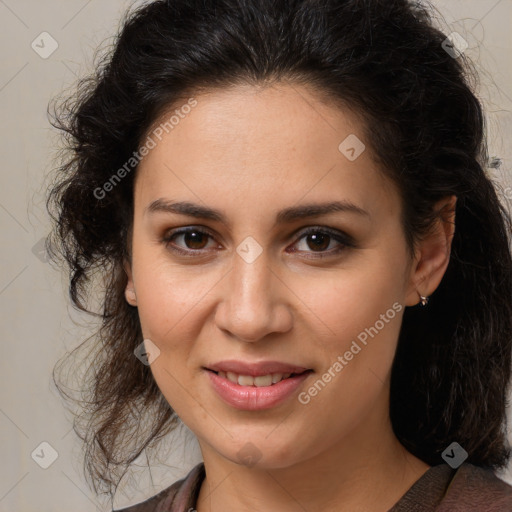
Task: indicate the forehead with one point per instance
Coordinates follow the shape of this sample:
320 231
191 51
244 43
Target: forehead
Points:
277 143
272 120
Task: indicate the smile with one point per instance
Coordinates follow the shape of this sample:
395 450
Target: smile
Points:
255 393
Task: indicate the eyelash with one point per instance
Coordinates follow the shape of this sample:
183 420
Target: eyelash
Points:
344 240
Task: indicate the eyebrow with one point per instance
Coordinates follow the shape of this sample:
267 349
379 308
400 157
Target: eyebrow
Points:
286 215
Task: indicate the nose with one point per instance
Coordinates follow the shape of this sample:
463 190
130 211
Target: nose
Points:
254 302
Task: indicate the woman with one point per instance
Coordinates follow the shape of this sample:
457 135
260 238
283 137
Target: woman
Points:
303 259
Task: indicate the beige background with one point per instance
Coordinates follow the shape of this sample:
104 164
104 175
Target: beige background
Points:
36 319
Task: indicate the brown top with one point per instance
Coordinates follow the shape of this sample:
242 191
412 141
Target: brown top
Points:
441 489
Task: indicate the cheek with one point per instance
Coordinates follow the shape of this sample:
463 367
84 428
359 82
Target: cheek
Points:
356 322
355 315
168 297
347 303
170 302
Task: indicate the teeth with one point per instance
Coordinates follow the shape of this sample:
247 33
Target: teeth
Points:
276 377
245 380
261 380
248 380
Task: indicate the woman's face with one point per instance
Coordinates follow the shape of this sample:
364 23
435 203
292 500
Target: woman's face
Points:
250 284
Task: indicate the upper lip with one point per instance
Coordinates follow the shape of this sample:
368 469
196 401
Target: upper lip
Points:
255 369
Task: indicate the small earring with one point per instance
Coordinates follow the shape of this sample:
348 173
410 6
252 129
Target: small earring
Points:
423 300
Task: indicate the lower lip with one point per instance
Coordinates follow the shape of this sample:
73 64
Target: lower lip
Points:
252 398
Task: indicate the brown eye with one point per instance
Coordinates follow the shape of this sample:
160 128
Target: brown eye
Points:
318 241
322 242
189 240
195 239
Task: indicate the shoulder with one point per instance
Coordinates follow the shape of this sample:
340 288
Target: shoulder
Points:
179 496
150 504
473 488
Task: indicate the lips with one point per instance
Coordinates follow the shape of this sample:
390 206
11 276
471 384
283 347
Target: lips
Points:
254 398
246 385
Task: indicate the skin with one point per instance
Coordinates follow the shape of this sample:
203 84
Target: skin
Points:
251 152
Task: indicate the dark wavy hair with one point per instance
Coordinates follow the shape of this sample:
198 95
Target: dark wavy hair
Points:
384 60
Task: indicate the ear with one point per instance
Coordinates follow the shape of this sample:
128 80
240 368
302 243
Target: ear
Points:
129 291
432 254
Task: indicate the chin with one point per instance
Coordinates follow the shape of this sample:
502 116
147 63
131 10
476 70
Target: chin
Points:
262 455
